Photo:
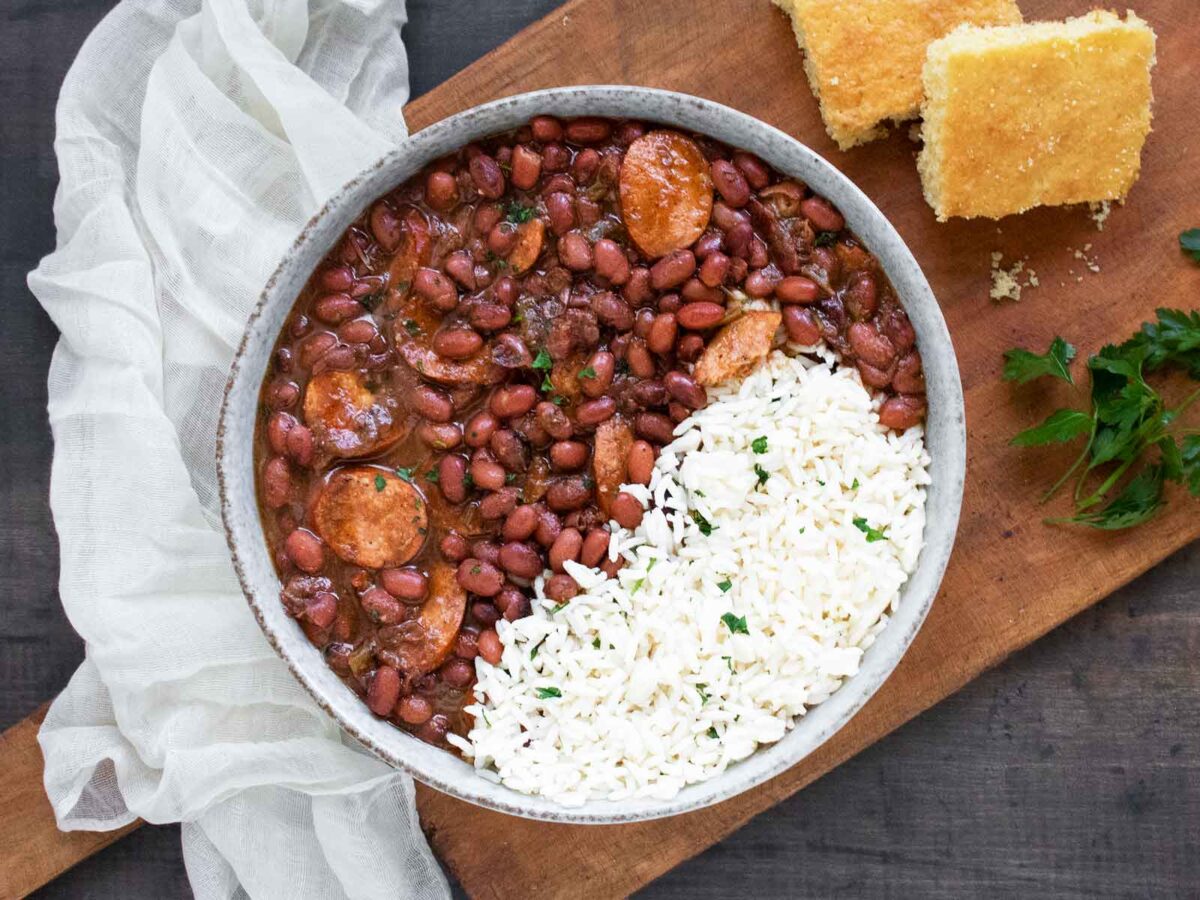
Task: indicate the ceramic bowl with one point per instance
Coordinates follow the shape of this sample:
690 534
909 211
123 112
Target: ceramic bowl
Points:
945 436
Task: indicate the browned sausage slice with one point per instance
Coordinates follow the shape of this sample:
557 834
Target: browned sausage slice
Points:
371 517
347 418
666 192
737 348
478 369
414 250
530 236
440 619
614 437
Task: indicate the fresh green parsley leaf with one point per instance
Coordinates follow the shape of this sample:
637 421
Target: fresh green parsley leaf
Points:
725 585
759 444
1064 425
469 480
704 695
534 652
548 693
412 327
542 360
558 400
736 624
637 585
547 385
1173 338
380 482
762 474
1022 366
510 477
587 372
432 476
728 662
406 474
596 643
1189 243
712 733
1139 502
706 527
483 712
873 534
517 213
854 486
825 239
1190 463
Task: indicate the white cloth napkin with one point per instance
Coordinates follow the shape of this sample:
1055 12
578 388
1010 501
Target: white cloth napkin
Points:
195 137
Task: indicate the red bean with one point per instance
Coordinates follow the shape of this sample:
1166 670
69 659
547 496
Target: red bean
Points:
639 360
627 510
821 213
726 218
758 256
584 166
690 347
611 262
701 316
555 158
521 523
758 285
457 673
512 400
358 331
385 226
714 269
381 607
414 710
612 311
640 463
575 252
488 551
604 364
873 377
801 325
435 287
637 289
740 239
860 297
461 267
480 577
566 494
432 404
520 560
487 176
752 168
909 377
526 167
498 504
730 183
502 239
554 421
480 428
508 450
454 547
661 337
672 270
452 475
490 647
797 289
489 316
902 412
549 527
487 475
546 129
669 303
383 691
277 482
407 583
588 130
871 346
283 395
439 436
677 411
593 412
333 309
487 216
441 191
337 278
696 291
568 456
316 347
654 427
560 209
595 547
322 609
685 389
561 588
305 550
566 547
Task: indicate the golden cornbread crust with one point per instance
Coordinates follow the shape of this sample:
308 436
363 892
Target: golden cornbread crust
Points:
1040 114
864 57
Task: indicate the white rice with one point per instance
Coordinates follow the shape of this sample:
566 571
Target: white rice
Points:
638 687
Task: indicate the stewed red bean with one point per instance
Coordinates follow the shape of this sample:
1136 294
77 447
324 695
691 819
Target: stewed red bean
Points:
493 335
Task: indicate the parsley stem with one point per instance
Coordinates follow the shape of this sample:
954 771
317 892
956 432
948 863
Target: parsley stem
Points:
1107 485
1067 475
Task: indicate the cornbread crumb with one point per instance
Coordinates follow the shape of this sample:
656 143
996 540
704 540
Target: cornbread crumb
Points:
1041 114
1006 283
1100 212
863 57
1091 262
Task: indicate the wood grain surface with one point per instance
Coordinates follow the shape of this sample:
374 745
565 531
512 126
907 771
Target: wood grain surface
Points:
1011 578
1068 769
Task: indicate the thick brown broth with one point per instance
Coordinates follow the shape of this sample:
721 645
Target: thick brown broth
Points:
498 344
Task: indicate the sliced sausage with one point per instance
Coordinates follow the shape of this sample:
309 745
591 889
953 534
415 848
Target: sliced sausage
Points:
425 648
666 192
610 457
371 517
737 348
347 419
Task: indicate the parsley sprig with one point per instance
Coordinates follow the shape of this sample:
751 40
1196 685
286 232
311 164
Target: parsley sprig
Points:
1116 485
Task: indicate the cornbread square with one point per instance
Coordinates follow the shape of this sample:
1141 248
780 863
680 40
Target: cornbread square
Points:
864 57
1039 114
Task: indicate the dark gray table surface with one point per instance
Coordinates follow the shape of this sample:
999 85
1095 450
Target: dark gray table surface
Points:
1072 770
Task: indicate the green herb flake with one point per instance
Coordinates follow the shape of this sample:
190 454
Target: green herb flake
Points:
412 327
712 733
547 385
854 486
432 476
542 360
469 480
728 662
825 239
704 695
1189 243
475 570
548 693
637 585
762 474
518 213
725 585
596 643
1062 426
534 652
406 474
706 527
873 534
1022 366
380 482
759 444
587 372
736 624
510 477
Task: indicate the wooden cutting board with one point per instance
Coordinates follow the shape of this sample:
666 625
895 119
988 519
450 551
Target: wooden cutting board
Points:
1011 578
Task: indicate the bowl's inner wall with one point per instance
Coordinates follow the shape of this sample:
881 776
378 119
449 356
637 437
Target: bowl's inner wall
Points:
945 437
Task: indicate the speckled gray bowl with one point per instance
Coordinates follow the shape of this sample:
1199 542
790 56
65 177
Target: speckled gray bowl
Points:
946 442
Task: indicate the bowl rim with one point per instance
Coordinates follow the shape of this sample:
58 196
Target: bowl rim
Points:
234 455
